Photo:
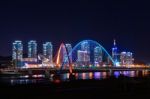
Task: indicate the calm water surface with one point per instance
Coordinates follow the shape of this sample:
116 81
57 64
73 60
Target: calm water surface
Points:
25 79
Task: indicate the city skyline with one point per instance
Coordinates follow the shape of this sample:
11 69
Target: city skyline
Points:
39 49
84 53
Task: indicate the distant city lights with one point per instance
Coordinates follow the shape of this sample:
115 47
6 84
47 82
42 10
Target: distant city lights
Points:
87 53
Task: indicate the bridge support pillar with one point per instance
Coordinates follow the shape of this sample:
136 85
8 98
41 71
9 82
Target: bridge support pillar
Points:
30 73
47 74
111 72
72 76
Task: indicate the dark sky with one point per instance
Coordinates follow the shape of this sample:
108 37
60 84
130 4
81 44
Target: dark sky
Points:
71 21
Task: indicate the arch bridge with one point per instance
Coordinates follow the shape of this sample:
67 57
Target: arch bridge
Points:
85 54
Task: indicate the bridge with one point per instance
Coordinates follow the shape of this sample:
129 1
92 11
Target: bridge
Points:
54 70
85 53
48 71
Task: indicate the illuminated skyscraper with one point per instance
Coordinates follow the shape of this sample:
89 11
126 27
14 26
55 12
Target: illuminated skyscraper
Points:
17 53
69 49
48 51
126 58
17 50
115 52
97 55
85 46
82 58
123 58
129 58
32 49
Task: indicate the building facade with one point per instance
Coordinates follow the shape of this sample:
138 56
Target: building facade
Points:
47 59
85 47
69 50
48 51
32 49
17 53
83 58
126 58
97 56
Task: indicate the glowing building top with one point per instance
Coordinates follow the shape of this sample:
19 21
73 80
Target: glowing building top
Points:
114 42
85 46
48 51
17 49
32 49
68 47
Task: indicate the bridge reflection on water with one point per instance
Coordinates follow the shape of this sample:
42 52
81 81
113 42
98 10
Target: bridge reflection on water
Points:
63 77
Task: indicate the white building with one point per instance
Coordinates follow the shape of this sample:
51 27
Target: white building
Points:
32 49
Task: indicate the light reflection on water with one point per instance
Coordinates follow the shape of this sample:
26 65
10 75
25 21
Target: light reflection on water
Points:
25 79
97 75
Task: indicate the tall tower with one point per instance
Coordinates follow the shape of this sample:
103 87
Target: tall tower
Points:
97 55
129 58
123 58
69 49
48 51
17 52
115 52
86 47
32 49
82 58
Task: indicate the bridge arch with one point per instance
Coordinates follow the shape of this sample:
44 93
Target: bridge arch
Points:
59 59
91 42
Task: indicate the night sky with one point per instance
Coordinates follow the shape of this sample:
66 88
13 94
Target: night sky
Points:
75 20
